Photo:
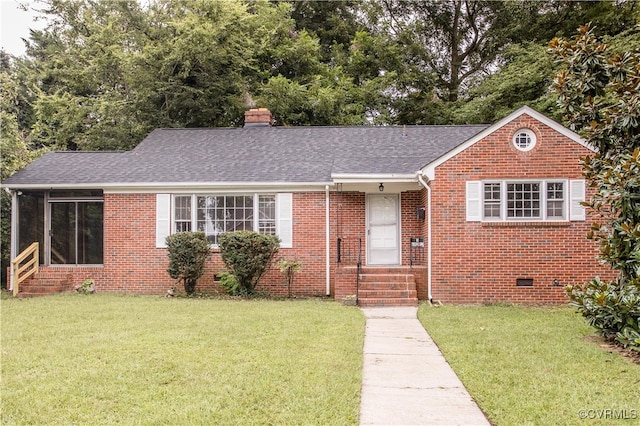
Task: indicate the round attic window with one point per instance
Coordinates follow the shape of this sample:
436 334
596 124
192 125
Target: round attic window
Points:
524 139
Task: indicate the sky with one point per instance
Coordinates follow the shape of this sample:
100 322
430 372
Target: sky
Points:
15 24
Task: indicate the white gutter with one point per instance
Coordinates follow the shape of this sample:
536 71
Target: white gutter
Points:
327 241
428 188
170 186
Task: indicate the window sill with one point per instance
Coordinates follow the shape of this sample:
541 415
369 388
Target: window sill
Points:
74 265
527 224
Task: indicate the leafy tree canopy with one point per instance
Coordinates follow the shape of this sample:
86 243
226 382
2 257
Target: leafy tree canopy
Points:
599 94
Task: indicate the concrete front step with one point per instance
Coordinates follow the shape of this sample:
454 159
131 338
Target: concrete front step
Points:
386 288
387 302
388 294
22 294
32 290
374 285
387 277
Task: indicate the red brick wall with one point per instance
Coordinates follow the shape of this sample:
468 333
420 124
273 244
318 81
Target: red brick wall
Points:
348 222
132 263
476 262
308 247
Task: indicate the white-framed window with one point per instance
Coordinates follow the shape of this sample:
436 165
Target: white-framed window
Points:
525 200
182 213
524 139
492 200
215 214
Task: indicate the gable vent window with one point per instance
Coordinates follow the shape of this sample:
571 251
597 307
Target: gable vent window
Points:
524 140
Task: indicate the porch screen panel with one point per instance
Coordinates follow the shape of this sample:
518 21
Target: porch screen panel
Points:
63 233
90 233
31 221
77 236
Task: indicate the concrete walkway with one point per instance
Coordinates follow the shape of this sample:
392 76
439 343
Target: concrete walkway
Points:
405 378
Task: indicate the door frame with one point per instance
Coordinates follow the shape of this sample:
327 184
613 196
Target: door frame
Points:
398 260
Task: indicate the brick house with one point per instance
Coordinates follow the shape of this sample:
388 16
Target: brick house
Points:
460 214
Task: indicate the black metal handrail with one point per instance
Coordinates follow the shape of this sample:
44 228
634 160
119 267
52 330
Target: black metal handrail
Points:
358 269
348 251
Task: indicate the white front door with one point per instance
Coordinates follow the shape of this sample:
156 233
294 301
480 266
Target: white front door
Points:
383 230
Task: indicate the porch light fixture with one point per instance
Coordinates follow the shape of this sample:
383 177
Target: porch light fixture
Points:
381 187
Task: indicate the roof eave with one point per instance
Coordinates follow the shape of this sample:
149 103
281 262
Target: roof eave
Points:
171 186
373 177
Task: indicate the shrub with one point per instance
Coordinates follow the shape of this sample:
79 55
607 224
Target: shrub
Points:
289 267
230 284
188 252
87 287
247 255
611 309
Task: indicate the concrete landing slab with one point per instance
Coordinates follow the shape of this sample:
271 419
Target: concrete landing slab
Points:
405 378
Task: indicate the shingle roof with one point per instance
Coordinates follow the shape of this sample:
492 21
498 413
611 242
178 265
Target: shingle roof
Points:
251 155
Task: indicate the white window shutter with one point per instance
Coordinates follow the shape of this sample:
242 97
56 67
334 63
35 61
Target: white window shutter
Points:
284 219
474 201
577 192
163 218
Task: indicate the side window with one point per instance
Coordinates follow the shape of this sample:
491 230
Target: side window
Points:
267 214
182 213
553 200
492 205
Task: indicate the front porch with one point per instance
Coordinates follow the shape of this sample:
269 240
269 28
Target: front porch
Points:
380 245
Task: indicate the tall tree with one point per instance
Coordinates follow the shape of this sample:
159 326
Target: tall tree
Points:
113 71
14 147
333 22
456 40
523 79
599 94
542 21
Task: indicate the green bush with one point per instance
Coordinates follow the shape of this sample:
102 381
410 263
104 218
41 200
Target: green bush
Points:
230 284
247 255
188 253
612 309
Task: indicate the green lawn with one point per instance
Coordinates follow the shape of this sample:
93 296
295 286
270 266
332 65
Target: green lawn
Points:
106 359
535 366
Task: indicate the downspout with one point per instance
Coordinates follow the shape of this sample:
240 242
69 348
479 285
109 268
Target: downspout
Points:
327 241
428 188
14 233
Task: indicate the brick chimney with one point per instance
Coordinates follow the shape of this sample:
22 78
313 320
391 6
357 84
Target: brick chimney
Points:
257 117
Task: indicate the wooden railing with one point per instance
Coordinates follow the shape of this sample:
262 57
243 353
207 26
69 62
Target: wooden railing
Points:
19 272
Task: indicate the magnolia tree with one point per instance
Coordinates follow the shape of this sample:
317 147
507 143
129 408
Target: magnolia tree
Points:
599 93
